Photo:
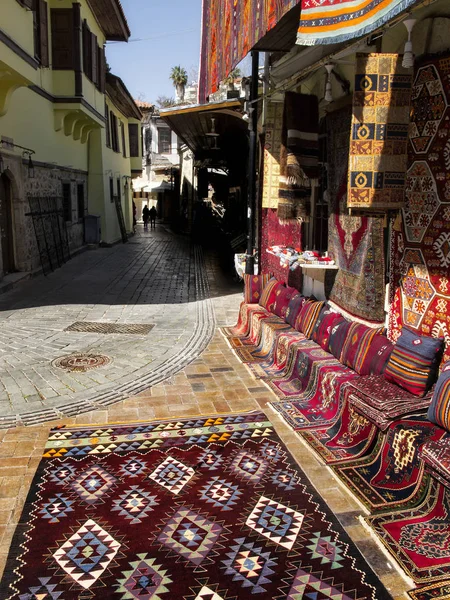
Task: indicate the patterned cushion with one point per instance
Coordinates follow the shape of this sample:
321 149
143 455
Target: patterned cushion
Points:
269 294
282 302
439 411
308 316
322 330
254 285
337 337
377 356
294 307
356 345
414 361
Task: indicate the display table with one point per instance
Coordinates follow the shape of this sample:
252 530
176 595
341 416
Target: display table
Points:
318 279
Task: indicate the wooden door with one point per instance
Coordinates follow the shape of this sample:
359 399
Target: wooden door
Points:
6 226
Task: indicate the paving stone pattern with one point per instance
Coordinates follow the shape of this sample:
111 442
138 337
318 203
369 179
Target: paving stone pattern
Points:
158 279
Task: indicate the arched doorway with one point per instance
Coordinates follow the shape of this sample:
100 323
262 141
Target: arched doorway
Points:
6 226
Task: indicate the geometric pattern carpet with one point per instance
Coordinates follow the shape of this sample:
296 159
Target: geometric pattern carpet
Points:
206 508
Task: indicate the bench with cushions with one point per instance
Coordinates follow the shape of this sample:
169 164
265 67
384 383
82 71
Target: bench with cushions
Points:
369 408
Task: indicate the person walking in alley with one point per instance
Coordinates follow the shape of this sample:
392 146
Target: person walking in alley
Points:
153 214
145 217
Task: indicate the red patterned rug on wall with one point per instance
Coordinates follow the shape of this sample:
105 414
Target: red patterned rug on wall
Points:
204 508
356 244
274 233
420 249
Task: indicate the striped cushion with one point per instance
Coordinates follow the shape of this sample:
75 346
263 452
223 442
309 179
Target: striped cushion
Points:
308 316
282 302
324 325
269 294
254 285
414 361
294 307
337 337
356 345
439 411
377 356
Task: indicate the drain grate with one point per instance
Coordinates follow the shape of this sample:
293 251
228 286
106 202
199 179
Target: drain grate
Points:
127 329
80 363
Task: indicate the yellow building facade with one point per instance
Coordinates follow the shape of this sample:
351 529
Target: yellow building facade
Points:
70 135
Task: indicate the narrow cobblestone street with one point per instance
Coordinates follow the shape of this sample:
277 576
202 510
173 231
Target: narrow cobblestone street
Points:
156 280
216 382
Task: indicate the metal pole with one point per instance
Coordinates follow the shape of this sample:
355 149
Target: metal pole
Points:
251 191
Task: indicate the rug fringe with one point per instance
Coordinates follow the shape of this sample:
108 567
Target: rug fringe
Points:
392 560
349 315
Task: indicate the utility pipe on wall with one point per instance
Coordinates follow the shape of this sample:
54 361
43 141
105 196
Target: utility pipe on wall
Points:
251 186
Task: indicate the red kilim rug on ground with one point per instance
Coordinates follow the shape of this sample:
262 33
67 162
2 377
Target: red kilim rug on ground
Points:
195 509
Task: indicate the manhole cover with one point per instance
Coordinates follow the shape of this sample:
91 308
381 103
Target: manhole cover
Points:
98 327
81 362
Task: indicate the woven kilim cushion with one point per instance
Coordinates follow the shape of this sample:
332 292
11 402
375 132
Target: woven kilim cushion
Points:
357 345
293 309
308 316
201 508
439 411
254 285
269 293
324 324
282 301
337 337
377 356
414 361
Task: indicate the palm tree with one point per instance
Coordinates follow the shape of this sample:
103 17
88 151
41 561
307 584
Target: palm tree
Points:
179 78
229 81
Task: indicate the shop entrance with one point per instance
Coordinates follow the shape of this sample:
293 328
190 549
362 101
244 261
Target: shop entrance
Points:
6 225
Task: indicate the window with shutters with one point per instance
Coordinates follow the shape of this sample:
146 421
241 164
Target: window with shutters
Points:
133 133
67 201
111 189
164 135
62 38
40 25
108 127
94 54
119 191
80 200
101 69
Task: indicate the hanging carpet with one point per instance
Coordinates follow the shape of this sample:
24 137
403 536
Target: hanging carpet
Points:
356 245
325 22
419 273
193 509
272 148
419 538
379 132
392 475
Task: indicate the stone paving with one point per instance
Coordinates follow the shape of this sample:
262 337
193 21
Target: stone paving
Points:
157 278
215 383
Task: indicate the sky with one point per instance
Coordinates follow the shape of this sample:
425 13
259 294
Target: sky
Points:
145 64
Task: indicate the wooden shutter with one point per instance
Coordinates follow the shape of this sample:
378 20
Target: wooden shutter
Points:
87 51
27 4
124 148
133 132
62 38
94 54
43 33
108 128
101 70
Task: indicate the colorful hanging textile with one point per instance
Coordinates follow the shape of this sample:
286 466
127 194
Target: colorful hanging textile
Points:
356 245
230 29
379 132
272 146
197 508
299 157
331 22
420 263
